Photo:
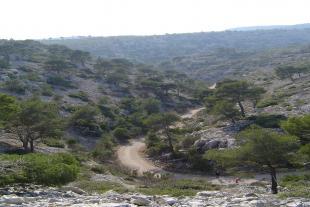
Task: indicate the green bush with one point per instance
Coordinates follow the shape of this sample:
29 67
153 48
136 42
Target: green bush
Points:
72 142
15 86
177 188
266 102
53 142
155 146
121 133
56 169
298 126
86 121
100 187
269 120
80 95
4 63
104 148
46 90
197 161
59 81
297 185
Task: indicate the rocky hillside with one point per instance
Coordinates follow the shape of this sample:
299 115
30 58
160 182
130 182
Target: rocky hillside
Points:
74 79
230 63
154 49
66 116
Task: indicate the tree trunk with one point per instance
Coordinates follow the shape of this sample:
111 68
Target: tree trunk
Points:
169 140
274 184
233 121
31 146
241 108
25 145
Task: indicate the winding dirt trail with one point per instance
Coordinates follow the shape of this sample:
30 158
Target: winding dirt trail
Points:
132 154
191 113
133 157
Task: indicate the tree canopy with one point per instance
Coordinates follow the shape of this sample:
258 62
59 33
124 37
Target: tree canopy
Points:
298 126
36 120
235 93
8 106
259 146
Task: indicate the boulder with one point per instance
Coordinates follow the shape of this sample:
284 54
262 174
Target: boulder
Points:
140 201
258 203
207 193
11 200
250 195
116 205
73 189
203 145
166 200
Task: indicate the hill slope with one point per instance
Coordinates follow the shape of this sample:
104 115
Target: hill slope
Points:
154 49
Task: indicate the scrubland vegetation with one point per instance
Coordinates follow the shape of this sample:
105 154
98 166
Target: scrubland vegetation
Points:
62 110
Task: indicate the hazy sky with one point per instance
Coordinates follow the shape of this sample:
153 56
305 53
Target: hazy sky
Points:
21 19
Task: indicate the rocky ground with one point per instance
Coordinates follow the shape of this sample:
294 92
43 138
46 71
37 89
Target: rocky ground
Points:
36 196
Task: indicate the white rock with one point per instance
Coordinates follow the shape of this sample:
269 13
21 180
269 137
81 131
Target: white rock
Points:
238 200
116 205
207 193
258 203
196 203
298 204
73 189
170 201
140 201
12 200
53 200
29 199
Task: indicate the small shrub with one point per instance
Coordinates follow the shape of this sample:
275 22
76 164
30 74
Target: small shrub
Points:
297 185
80 95
56 169
98 169
121 133
46 90
100 187
71 141
155 146
51 170
177 188
269 120
4 63
52 142
197 161
104 148
59 81
15 86
266 102
86 121
289 108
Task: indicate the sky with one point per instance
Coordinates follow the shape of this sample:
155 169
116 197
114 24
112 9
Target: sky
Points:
36 19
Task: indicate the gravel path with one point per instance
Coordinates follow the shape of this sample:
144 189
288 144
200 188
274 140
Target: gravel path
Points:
132 157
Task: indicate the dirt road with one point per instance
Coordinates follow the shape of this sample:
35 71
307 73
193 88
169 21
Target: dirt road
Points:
132 157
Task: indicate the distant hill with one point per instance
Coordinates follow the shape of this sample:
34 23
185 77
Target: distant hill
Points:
272 27
159 48
230 63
